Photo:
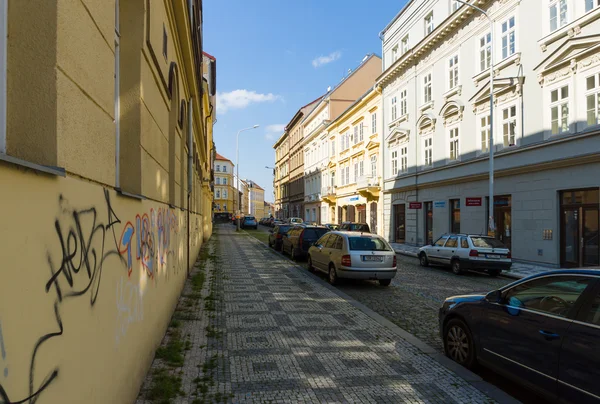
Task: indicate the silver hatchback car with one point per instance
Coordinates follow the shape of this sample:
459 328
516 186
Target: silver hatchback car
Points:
352 255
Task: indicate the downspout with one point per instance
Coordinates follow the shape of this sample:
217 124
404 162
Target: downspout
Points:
117 99
190 178
417 155
381 143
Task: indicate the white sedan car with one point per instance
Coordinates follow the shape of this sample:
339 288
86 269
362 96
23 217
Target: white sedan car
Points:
353 255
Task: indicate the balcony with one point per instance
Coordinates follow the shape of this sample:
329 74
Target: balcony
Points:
328 194
368 186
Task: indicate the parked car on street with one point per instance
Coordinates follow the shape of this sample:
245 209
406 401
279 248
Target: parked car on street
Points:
542 331
299 239
353 226
344 254
277 234
249 222
295 220
332 226
463 252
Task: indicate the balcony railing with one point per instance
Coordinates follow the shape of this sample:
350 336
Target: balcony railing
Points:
367 182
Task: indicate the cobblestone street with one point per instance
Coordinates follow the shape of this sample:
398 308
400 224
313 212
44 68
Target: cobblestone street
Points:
279 334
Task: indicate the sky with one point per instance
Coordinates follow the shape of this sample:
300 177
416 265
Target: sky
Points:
273 57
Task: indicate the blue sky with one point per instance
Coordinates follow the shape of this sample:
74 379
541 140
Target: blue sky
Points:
273 56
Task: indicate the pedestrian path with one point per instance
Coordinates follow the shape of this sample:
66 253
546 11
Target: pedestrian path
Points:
518 270
276 333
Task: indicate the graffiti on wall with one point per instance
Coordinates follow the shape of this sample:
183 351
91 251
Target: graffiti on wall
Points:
85 240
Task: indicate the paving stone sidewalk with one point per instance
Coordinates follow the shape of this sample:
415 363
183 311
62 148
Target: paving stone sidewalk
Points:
278 334
518 270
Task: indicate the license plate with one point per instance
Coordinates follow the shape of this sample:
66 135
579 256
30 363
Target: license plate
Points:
377 258
493 256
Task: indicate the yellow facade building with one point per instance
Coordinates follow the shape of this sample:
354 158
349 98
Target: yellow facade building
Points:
256 200
105 164
224 187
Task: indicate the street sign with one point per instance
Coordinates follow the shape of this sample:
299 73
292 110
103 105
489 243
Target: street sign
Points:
473 201
439 204
415 205
353 198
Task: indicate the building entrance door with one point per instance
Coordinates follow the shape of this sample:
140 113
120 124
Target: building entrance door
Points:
362 213
428 223
400 223
373 224
579 225
503 218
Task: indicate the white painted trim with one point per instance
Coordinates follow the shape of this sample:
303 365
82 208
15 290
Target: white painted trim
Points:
3 63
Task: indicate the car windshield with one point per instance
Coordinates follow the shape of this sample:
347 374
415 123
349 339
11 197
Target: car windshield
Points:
314 233
487 242
367 244
358 227
283 229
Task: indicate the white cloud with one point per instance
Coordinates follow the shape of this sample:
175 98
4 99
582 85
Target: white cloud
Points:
240 99
323 60
273 131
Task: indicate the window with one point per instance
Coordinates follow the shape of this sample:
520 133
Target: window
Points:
395 162
355 139
558 14
591 4
218 168
394 53
218 206
404 159
508 37
218 181
404 45
224 194
361 130
455 218
452 242
484 130
374 123
464 243
347 174
454 152
441 241
224 181
367 244
361 168
224 168
394 111
332 147
403 108
559 110
427 88
355 172
429 23
373 166
593 99
591 313
224 206
454 5
485 51
537 294
428 148
453 72
509 125
218 194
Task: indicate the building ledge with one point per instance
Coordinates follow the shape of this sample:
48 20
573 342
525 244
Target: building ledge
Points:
571 30
130 195
57 171
515 58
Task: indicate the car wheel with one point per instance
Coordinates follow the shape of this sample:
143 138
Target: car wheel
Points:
494 272
458 343
423 260
333 279
456 267
385 282
310 265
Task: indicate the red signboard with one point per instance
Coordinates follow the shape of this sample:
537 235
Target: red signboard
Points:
415 205
473 201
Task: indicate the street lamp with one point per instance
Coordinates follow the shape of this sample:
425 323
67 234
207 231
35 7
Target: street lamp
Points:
491 224
237 163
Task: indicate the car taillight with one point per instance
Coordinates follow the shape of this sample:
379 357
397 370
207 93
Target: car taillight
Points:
473 253
346 261
395 261
509 255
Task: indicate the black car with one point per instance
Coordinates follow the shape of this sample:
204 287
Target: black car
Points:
276 236
542 331
298 240
352 226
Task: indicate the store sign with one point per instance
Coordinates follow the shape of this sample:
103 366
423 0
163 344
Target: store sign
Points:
415 205
439 204
473 201
353 198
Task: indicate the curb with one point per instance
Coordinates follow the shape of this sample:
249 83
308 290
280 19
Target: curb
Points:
471 378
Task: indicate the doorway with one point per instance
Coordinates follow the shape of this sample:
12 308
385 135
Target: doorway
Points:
502 218
350 213
579 224
362 213
400 223
428 223
373 223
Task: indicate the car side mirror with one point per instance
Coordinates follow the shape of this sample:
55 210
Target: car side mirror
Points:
494 296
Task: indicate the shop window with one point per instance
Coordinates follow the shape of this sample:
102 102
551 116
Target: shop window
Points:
455 216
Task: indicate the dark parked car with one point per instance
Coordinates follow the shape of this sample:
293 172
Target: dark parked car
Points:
299 239
276 236
249 222
542 331
352 226
332 226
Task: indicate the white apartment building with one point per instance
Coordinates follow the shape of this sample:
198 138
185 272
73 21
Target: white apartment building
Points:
546 130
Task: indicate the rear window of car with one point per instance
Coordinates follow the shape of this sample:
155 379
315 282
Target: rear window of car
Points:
360 227
283 229
487 242
314 233
249 218
367 244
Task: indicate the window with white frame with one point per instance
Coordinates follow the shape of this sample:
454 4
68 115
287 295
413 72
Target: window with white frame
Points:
224 206
348 140
429 23
332 178
454 5
361 132
224 168
509 125
453 72
355 171
559 110
508 37
558 14
332 147
374 166
484 132
394 53
355 139
427 88
347 173
218 206
403 108
361 168
485 51
395 162
218 194
592 96
454 150
224 194
218 168
374 123
591 4
394 110
224 181
218 181
404 45
404 159
428 151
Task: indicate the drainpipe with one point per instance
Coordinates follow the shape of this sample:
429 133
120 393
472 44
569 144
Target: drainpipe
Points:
190 178
382 137
417 155
117 99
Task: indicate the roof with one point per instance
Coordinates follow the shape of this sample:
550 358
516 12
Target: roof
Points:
402 10
219 157
297 114
208 55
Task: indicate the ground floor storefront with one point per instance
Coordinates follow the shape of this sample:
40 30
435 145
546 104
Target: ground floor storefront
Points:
357 208
549 217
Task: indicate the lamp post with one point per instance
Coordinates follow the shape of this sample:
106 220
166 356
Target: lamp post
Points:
491 224
237 163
